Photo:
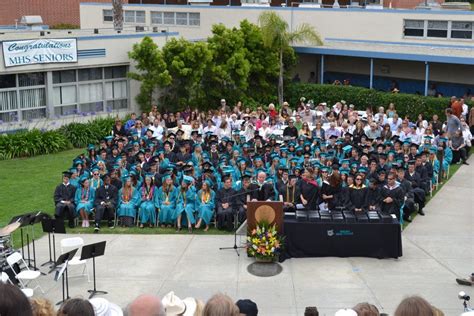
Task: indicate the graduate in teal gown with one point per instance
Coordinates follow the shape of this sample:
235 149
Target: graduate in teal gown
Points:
95 181
84 200
166 201
186 204
148 203
205 203
129 198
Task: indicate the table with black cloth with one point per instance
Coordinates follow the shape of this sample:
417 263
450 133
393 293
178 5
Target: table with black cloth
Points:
332 239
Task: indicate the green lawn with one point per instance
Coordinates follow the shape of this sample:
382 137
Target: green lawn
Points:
28 184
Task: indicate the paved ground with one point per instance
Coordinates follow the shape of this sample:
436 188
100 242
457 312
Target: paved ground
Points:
437 248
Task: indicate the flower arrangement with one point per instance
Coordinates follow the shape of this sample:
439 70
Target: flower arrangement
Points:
264 242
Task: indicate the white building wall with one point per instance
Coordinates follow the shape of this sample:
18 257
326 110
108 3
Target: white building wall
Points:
355 24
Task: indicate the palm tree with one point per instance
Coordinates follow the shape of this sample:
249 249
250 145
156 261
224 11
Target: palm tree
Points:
117 6
276 35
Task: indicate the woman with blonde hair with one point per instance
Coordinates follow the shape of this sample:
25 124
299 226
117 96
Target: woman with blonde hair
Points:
414 306
42 307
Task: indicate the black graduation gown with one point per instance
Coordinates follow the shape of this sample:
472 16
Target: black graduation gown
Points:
396 193
374 198
262 193
358 197
327 189
64 193
310 193
106 195
290 194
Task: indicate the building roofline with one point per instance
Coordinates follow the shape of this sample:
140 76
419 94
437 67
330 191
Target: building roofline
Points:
384 55
386 11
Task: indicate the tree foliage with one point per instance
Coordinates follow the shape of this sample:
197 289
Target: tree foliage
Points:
186 63
152 70
277 36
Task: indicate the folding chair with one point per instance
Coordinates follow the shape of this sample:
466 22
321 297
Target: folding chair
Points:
26 275
6 279
73 243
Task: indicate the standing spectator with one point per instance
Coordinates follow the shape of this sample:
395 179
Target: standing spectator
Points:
465 108
453 124
456 106
471 120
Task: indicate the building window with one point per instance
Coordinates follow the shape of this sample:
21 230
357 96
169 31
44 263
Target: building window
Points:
181 18
438 29
461 30
168 18
115 72
90 74
7 81
156 17
194 19
64 76
414 28
31 79
64 95
108 15
134 16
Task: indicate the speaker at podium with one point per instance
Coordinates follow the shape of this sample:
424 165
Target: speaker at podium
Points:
268 211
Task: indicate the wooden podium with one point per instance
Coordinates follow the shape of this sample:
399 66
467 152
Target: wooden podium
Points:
271 212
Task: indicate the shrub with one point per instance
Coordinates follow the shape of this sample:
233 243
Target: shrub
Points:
82 134
31 143
406 104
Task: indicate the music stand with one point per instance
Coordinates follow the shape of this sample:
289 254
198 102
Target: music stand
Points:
24 220
63 260
92 251
35 218
52 226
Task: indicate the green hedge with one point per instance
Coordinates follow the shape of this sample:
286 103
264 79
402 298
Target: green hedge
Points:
36 142
406 104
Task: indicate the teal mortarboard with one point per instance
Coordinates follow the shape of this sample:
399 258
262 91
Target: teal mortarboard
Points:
257 158
72 170
77 162
399 160
188 179
325 169
94 169
235 132
433 149
323 155
407 140
344 169
345 172
225 139
391 152
133 173
294 160
428 138
209 182
134 133
443 139
108 138
362 170
354 165
165 177
299 148
338 142
149 175
83 178
90 147
227 169
316 164
322 144
291 144
345 161
347 148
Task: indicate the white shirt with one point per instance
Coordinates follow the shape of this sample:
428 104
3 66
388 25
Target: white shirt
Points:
157 131
209 129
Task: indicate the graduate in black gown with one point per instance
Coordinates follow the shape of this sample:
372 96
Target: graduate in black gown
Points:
409 207
262 190
290 194
392 196
64 199
309 191
358 194
106 199
330 189
374 196
244 195
416 183
225 203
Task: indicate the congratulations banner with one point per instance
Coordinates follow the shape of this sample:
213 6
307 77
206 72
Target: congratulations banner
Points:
39 51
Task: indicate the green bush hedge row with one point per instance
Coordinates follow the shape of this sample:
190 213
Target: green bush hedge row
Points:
36 142
406 104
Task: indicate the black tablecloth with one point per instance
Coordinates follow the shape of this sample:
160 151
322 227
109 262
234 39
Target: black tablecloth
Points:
310 239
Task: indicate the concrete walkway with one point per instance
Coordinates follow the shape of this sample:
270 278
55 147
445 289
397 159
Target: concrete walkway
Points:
437 248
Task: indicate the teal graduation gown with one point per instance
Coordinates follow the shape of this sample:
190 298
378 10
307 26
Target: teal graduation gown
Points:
128 209
206 209
84 199
186 203
166 213
148 205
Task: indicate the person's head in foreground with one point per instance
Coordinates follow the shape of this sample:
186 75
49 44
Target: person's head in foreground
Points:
220 305
414 306
76 307
13 302
42 307
146 305
366 309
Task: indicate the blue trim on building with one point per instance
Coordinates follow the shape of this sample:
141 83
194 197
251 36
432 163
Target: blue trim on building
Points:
330 39
91 53
388 11
121 35
385 55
